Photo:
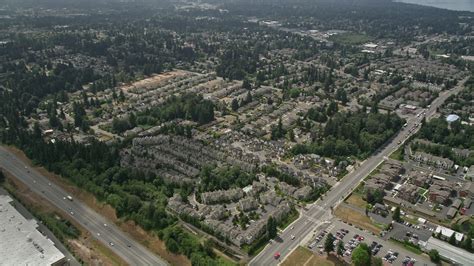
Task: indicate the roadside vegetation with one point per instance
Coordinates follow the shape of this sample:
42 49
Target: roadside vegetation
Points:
74 238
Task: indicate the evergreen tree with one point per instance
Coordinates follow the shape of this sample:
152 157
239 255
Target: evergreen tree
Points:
271 228
396 215
452 239
329 243
246 84
234 105
361 255
2 176
467 243
434 256
340 248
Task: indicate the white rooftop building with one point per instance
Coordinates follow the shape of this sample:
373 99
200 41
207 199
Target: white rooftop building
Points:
454 254
447 233
370 45
20 242
452 118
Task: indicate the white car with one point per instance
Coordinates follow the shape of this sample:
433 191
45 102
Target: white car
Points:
292 237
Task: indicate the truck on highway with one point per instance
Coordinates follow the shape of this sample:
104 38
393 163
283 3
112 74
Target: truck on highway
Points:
69 198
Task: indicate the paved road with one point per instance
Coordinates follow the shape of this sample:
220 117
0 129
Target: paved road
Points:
99 227
71 261
321 209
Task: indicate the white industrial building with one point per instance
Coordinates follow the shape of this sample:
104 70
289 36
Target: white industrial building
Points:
449 252
20 242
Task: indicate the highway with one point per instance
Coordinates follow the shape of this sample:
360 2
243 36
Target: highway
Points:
100 228
320 211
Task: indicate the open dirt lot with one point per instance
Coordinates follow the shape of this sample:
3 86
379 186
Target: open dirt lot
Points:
356 200
357 219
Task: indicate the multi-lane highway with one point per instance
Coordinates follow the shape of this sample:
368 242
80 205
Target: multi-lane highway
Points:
106 232
320 211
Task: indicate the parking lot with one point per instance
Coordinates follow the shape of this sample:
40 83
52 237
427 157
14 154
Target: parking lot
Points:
412 233
351 237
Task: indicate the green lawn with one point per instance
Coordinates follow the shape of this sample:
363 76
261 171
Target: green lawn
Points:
407 247
398 154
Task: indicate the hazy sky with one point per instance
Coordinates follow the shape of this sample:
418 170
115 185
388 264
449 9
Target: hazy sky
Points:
463 5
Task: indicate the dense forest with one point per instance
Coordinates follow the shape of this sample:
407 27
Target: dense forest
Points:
455 134
224 178
189 106
384 18
448 140
347 134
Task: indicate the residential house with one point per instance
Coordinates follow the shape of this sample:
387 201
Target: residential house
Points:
248 204
380 209
303 193
457 204
409 193
436 161
220 196
467 191
379 181
451 213
271 198
420 179
440 191
467 203
470 173
218 213
287 189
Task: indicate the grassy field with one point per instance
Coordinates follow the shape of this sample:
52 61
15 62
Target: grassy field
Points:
291 218
356 200
357 219
350 38
407 247
303 256
398 154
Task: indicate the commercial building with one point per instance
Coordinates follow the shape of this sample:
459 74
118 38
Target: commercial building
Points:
449 252
20 242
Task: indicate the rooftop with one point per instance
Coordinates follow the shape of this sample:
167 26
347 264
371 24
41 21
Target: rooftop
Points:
457 255
447 232
452 118
21 243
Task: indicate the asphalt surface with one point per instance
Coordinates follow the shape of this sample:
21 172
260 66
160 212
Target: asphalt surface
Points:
100 228
368 238
320 211
70 260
